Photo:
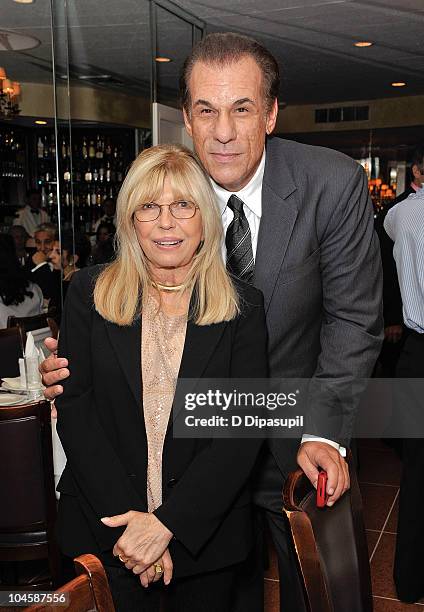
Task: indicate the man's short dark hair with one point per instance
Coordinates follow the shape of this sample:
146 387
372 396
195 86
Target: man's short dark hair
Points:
417 158
225 48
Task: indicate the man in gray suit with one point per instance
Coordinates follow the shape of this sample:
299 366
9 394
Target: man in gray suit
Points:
299 225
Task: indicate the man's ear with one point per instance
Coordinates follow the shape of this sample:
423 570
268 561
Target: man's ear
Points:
187 123
271 119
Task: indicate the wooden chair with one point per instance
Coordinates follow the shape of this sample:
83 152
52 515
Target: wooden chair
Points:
34 323
11 349
87 592
331 546
28 506
42 326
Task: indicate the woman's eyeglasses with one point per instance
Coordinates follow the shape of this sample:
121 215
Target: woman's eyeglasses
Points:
180 209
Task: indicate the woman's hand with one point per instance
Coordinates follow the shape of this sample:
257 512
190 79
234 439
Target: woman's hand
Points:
151 575
144 540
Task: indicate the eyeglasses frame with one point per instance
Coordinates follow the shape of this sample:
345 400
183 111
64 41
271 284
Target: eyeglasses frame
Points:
160 206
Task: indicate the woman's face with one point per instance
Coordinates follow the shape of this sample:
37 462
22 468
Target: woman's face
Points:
55 256
169 243
102 234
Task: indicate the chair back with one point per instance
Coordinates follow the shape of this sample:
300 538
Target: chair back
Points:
41 326
26 469
87 592
28 323
331 546
11 349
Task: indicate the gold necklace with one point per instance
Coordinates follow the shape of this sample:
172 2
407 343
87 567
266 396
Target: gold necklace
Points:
160 287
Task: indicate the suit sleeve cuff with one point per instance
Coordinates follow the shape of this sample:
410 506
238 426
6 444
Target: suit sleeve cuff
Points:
336 445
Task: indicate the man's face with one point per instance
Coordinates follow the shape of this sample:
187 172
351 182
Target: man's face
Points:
19 236
228 120
34 200
44 242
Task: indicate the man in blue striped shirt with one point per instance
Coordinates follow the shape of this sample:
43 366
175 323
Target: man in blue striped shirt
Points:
404 224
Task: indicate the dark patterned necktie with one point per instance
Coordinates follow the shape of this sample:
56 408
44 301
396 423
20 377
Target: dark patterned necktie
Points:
238 240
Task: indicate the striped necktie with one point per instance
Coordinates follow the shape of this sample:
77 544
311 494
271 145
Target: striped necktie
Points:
238 240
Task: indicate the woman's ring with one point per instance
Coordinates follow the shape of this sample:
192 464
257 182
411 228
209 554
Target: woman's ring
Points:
158 568
122 559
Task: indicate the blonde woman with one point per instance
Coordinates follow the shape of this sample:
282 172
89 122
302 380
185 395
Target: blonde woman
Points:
169 514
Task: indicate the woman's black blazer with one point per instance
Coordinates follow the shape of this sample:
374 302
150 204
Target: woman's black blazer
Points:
206 496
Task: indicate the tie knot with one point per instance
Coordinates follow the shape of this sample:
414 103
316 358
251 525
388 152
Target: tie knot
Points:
235 204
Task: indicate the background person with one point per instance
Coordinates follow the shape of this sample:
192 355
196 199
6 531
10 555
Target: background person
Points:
19 297
20 238
65 261
109 214
38 265
405 225
104 250
166 308
31 215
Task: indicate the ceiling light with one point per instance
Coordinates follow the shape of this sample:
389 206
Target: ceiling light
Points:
40 122
163 60
91 77
399 84
363 43
24 1
9 94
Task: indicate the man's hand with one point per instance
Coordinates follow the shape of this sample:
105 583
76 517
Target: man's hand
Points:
150 575
144 540
314 455
38 257
53 370
393 333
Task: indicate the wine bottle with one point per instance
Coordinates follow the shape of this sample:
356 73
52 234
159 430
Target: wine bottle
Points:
40 148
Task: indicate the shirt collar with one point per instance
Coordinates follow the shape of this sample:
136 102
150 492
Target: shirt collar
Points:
250 194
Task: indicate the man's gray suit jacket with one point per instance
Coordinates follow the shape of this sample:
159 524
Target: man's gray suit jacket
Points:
318 266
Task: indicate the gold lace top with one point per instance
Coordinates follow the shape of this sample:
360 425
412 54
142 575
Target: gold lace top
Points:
162 343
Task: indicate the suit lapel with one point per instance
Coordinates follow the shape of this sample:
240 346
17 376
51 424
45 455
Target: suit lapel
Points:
279 213
200 343
126 342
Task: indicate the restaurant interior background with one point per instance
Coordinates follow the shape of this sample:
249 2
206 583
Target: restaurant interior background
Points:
79 78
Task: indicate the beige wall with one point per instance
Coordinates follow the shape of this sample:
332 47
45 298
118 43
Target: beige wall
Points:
388 112
87 104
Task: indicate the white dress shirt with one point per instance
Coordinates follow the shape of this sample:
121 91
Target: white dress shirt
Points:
251 196
404 223
31 220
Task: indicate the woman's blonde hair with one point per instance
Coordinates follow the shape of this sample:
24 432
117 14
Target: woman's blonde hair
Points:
123 285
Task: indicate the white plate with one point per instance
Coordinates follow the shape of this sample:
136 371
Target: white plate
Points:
14 384
12 399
